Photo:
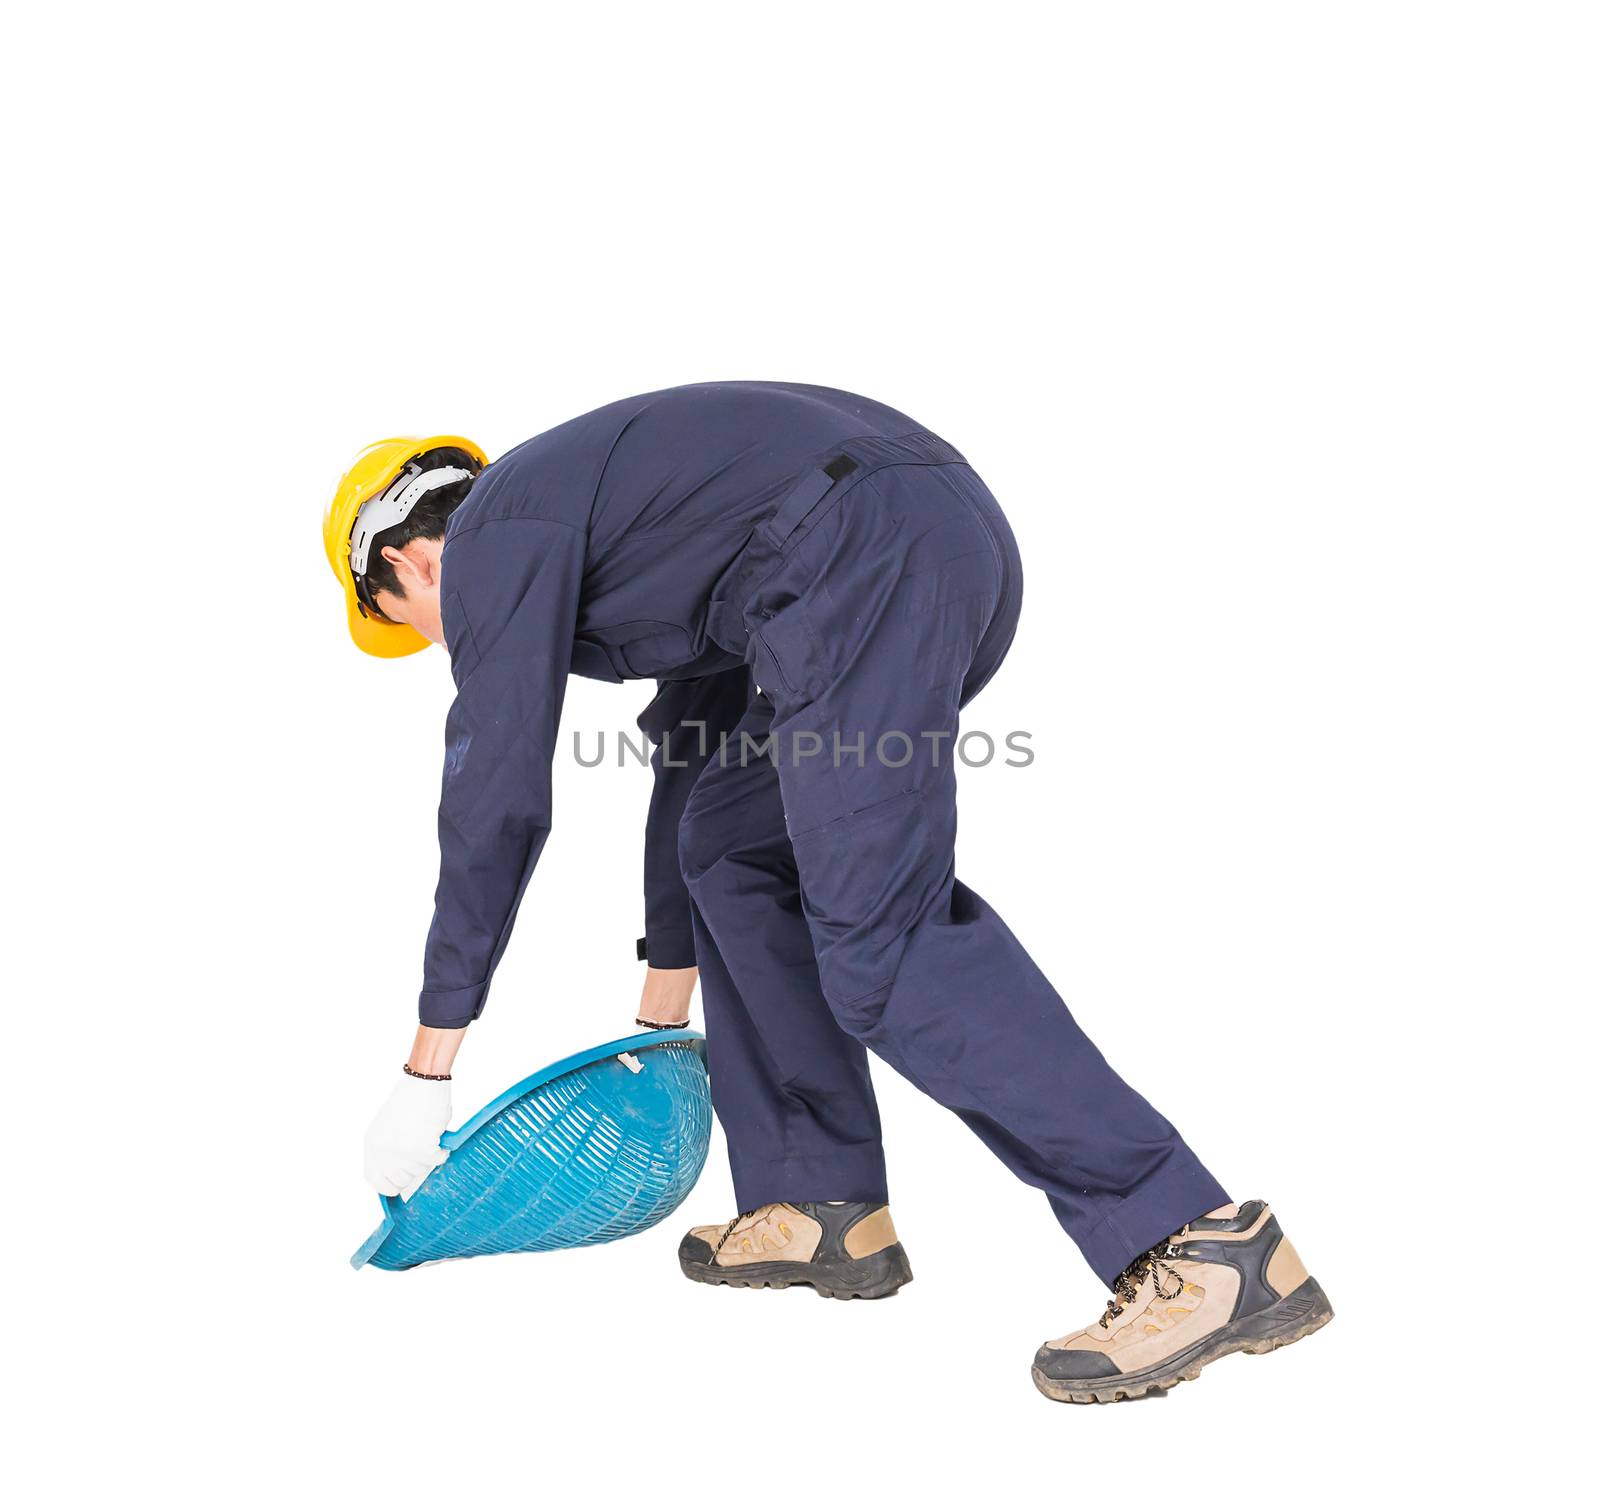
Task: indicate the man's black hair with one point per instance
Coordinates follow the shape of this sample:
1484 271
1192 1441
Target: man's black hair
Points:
427 519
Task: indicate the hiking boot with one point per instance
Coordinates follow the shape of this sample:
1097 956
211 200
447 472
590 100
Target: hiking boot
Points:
1225 1282
843 1251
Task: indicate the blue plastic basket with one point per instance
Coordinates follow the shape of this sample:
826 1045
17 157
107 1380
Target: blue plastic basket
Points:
588 1150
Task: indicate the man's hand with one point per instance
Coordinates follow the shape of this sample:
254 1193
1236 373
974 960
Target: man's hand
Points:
403 1141
666 995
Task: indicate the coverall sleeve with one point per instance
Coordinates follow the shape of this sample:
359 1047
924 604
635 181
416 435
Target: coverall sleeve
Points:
509 606
686 723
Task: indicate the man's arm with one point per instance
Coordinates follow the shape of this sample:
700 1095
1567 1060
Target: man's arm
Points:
510 605
433 1051
686 722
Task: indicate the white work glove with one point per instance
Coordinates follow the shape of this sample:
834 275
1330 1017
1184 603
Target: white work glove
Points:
403 1141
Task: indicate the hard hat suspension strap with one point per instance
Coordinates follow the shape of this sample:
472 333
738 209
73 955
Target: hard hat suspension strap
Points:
392 506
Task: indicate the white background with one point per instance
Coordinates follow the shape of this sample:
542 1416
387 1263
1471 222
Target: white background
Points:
1273 327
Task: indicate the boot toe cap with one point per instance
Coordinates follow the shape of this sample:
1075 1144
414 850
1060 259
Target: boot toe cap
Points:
693 1248
1073 1364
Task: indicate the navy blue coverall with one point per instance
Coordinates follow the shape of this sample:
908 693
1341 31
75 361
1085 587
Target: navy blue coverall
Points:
826 582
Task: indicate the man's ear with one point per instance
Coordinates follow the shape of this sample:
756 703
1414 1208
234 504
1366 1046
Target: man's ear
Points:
414 565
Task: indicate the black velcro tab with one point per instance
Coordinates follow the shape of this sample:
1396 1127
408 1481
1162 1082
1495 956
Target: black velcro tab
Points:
793 509
804 496
639 947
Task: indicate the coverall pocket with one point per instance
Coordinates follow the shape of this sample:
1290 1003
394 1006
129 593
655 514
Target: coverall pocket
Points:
866 881
589 660
783 662
645 648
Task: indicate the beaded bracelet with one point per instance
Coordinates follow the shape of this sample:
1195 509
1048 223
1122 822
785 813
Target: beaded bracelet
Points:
660 1028
421 1076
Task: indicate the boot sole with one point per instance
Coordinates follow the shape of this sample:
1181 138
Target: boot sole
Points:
880 1275
1303 1312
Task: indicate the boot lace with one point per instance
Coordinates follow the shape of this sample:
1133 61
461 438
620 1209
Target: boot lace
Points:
734 1224
1154 1265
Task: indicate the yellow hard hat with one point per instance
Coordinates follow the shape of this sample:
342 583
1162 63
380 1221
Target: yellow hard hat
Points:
374 472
